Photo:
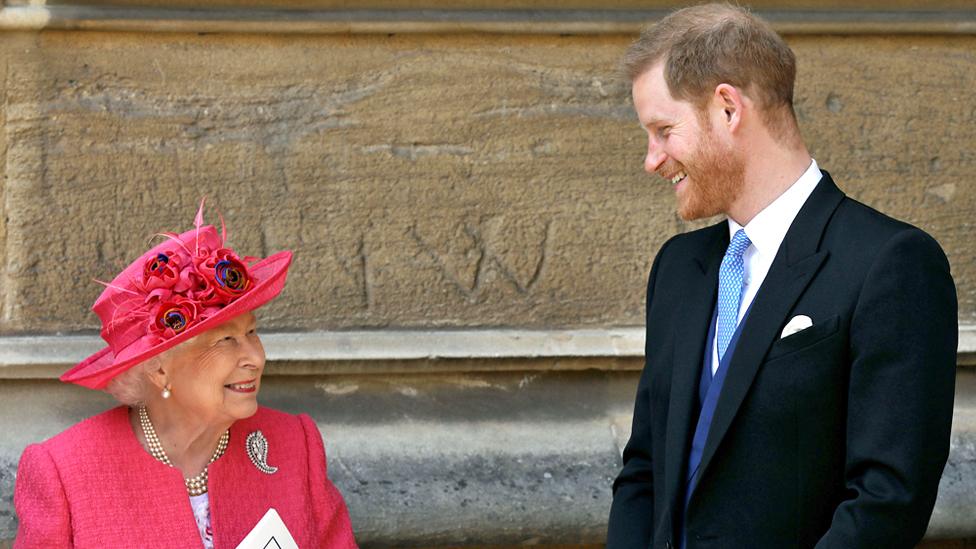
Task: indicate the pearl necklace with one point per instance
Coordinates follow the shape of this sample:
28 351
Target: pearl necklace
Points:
197 485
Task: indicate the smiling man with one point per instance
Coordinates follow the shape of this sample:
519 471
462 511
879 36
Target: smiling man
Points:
800 355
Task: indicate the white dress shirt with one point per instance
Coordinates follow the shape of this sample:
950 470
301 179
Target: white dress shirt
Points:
766 231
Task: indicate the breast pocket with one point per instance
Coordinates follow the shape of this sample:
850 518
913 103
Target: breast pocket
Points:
804 338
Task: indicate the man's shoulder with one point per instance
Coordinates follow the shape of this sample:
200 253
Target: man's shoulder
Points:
854 213
860 226
860 235
693 241
685 253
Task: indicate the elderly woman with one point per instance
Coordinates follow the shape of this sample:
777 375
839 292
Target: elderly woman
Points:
191 459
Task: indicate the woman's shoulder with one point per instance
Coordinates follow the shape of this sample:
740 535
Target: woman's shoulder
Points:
72 451
283 437
276 423
90 434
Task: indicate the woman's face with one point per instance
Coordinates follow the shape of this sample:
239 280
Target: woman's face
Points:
216 375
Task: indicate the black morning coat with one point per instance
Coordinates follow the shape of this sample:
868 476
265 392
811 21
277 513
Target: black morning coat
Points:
833 437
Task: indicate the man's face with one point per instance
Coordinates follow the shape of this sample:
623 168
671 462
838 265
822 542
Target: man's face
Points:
685 150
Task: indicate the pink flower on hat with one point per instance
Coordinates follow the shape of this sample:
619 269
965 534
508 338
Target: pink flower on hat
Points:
173 317
225 275
181 292
161 270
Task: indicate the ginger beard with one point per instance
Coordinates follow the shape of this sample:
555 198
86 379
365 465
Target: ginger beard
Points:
714 179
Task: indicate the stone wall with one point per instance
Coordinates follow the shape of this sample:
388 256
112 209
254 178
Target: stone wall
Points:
522 153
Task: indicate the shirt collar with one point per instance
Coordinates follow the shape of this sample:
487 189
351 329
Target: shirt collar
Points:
768 228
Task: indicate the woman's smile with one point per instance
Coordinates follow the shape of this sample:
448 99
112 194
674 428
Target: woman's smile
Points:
249 386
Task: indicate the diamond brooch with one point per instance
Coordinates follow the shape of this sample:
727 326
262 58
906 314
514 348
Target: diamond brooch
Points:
257 450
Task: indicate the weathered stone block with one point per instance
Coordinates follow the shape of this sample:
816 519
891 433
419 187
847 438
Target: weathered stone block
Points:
422 180
486 458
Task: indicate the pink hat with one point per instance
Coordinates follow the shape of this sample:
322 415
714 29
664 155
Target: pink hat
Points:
180 288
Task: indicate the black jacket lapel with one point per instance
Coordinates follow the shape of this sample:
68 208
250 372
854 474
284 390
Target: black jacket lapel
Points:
795 264
690 331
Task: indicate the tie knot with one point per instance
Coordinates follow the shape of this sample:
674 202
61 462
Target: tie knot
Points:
740 242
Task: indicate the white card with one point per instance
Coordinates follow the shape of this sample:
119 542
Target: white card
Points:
269 533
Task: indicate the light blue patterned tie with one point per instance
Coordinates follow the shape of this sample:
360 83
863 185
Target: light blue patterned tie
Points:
730 276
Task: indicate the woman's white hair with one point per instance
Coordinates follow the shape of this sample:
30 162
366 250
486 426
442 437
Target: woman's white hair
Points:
132 386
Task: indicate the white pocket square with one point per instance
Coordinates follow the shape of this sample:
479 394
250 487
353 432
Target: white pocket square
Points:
796 324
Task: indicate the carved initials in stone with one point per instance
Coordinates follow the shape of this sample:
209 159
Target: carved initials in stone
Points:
482 249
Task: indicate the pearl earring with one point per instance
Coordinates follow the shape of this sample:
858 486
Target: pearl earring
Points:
166 392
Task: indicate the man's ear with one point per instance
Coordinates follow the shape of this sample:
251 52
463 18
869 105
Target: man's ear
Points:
732 103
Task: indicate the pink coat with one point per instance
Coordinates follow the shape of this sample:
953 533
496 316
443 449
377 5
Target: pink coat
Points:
94 486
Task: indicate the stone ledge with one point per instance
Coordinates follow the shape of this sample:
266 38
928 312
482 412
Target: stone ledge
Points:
21 355
494 21
489 459
45 356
